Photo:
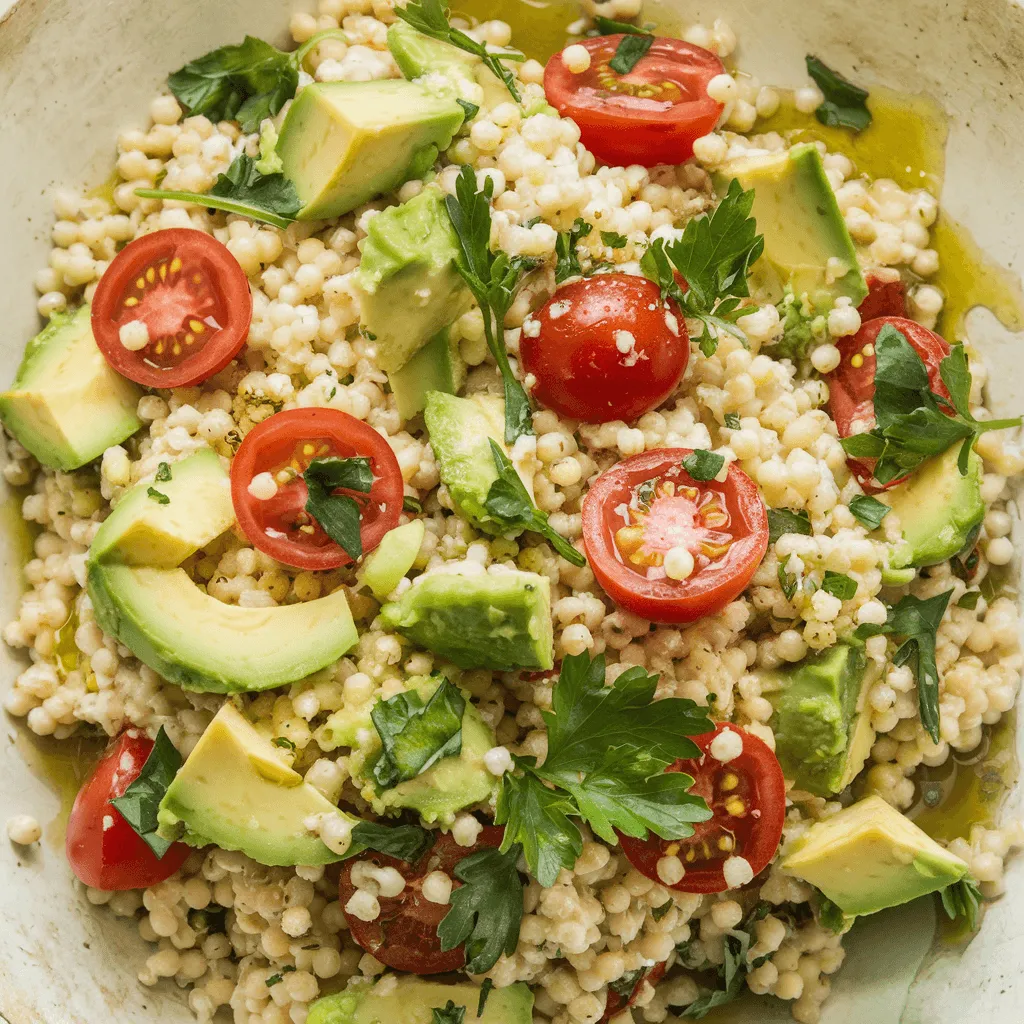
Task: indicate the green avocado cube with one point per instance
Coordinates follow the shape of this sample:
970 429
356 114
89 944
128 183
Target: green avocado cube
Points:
66 405
386 566
495 620
437 366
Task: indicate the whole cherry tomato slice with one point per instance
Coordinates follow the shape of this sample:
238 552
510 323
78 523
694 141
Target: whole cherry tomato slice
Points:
192 297
748 797
852 384
652 114
605 348
104 851
284 445
644 506
618 1001
404 936
884 298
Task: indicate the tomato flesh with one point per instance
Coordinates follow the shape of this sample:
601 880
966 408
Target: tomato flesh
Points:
284 445
651 115
884 298
852 384
748 798
104 851
191 295
646 505
608 348
617 1002
404 935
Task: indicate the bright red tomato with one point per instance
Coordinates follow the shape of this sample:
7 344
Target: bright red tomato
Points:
748 797
193 298
104 851
608 348
648 504
884 298
852 384
284 445
404 936
617 1001
652 115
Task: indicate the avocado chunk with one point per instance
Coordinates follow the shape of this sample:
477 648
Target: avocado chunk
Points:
460 432
436 794
437 366
344 143
145 530
940 511
404 999
66 405
495 620
384 568
236 790
819 732
409 287
869 857
796 211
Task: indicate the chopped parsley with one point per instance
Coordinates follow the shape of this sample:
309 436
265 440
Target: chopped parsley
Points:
845 104
139 803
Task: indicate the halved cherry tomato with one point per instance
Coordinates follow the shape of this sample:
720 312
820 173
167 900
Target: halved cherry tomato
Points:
851 386
608 348
284 445
617 1002
644 506
748 797
104 851
652 115
884 298
193 298
404 935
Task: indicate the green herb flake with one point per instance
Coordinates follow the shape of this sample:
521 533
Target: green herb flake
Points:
141 800
448 1014
732 421
868 511
413 505
845 104
158 496
470 109
788 582
339 514
839 585
611 27
283 742
785 520
703 465
962 899
406 842
969 600
631 49
485 991
614 240
163 473
567 261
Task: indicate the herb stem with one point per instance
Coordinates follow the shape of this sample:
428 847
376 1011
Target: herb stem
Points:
217 203
314 41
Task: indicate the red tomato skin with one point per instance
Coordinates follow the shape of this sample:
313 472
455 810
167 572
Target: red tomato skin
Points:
231 284
884 298
350 437
404 936
621 129
851 390
115 858
759 764
669 601
579 370
615 1003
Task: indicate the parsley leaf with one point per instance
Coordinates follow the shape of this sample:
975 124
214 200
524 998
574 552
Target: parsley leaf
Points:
414 734
406 842
614 240
353 474
632 47
493 280
869 511
413 505
338 514
430 18
732 421
714 257
839 585
448 1014
845 104
731 973
831 916
608 748
703 465
788 581
917 620
485 991
969 600
962 899
283 742
785 520
508 501
611 27
158 496
486 909
141 800
567 262
471 109
163 473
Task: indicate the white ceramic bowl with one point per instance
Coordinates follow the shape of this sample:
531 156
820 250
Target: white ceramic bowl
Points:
74 72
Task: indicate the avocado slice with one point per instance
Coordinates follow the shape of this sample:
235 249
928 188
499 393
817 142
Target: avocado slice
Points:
409 287
940 511
460 431
343 143
869 857
822 734
499 620
66 405
385 567
796 211
404 999
142 530
236 791
437 366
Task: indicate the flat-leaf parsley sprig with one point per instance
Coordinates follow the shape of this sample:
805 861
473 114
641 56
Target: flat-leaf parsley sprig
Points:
714 258
608 748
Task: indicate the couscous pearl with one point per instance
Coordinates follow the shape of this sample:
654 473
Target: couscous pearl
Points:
726 746
999 551
825 358
670 870
808 99
576 58
678 563
24 830
363 905
262 486
722 88
737 872
437 887
134 335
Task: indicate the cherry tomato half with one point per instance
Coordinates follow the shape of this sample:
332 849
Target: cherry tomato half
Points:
617 1002
404 935
748 797
607 348
884 298
652 115
284 445
191 295
648 504
851 385
104 851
